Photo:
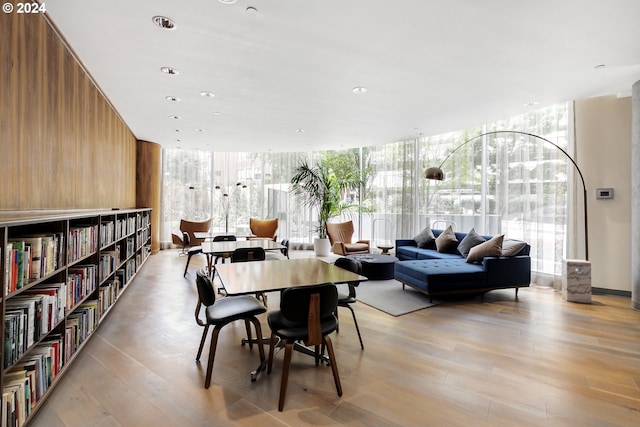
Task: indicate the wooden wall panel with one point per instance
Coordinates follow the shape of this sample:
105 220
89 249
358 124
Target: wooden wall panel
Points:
149 186
62 145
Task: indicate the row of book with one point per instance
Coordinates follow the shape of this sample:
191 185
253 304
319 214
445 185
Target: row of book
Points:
109 262
27 382
81 281
30 258
107 233
30 316
83 241
108 294
125 226
79 325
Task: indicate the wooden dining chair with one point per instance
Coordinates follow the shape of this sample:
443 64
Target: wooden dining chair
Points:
306 314
348 299
219 313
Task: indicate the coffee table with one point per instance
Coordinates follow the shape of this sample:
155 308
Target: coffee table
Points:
376 266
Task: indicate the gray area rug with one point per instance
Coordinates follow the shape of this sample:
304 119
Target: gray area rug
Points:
388 296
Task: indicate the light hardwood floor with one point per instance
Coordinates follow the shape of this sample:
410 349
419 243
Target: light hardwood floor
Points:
535 361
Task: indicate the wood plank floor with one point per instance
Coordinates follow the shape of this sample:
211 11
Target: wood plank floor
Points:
538 360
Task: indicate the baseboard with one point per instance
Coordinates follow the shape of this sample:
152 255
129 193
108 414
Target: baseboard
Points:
615 292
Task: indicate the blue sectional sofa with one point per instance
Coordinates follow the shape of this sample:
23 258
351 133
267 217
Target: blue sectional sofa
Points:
438 273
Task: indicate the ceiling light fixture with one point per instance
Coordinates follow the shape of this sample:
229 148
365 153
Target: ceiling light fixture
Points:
251 10
599 66
359 89
169 70
199 130
172 98
300 130
216 113
531 104
227 1
164 22
174 117
207 94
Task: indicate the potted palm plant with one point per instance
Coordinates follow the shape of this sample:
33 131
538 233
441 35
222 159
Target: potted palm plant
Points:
316 186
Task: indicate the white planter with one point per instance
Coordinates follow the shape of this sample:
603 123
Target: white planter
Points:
321 247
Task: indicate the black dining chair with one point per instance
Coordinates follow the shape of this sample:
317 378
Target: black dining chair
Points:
223 238
221 312
306 314
348 299
248 254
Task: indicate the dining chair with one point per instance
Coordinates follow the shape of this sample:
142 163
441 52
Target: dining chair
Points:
285 250
306 314
249 255
221 312
347 299
188 228
223 238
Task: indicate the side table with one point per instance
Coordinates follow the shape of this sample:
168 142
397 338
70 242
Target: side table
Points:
376 266
576 281
385 249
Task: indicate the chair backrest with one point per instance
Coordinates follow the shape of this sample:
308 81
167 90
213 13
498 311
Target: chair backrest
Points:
352 265
190 227
285 250
225 238
340 231
248 254
264 227
206 294
294 302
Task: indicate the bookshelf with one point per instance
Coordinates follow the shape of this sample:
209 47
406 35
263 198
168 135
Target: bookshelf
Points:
61 272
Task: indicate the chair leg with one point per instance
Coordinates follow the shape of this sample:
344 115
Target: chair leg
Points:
256 324
334 365
288 350
247 325
335 313
204 337
186 267
212 355
272 344
355 322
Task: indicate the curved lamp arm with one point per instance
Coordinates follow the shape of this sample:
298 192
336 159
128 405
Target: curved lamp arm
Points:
437 173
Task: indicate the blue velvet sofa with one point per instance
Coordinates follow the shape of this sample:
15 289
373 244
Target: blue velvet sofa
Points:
439 273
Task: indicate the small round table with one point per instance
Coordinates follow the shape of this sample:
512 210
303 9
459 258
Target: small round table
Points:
376 266
385 249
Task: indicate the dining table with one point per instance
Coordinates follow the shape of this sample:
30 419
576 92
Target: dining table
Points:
246 278
225 248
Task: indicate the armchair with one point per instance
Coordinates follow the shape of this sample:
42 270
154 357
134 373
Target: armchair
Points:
340 235
264 228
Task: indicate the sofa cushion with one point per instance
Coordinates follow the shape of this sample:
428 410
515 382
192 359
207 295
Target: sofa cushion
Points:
441 275
512 247
492 247
469 241
447 241
425 238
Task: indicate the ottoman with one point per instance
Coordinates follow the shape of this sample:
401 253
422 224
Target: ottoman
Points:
376 266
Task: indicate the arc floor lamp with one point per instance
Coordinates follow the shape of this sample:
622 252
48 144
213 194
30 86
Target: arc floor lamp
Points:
436 173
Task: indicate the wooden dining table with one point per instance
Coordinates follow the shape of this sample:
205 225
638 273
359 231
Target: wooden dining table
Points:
225 247
245 278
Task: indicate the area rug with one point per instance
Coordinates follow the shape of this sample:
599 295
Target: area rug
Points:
388 296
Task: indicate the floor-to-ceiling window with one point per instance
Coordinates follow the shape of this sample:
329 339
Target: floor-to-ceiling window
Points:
502 183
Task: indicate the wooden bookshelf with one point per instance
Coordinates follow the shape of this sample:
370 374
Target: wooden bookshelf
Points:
61 272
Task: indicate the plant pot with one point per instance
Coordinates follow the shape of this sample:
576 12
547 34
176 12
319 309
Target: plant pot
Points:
321 247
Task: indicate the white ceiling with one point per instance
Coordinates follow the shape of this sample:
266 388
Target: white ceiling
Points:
429 66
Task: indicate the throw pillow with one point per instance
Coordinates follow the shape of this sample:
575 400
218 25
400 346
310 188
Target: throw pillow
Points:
425 237
470 240
511 247
446 241
491 247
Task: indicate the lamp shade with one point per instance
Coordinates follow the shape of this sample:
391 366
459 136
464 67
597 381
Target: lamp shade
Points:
434 173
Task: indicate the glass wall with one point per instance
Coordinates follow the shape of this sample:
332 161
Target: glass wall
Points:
501 183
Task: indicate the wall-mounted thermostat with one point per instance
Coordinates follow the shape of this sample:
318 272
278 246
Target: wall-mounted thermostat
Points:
604 193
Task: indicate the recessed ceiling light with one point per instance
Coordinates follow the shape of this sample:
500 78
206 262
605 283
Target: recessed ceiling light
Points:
199 130
164 22
531 104
169 70
172 98
228 1
174 117
207 94
216 113
251 10
177 130
299 130
599 66
359 89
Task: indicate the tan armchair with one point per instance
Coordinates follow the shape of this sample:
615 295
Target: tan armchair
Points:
190 227
340 235
264 228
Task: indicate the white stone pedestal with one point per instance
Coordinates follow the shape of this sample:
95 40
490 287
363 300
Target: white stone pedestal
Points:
576 280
